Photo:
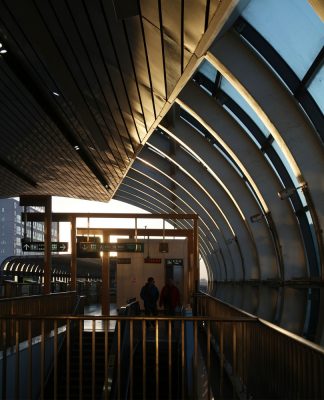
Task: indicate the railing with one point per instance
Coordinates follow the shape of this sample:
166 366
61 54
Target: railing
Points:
263 360
51 304
170 357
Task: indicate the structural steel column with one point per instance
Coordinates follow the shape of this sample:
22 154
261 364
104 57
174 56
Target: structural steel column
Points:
47 245
73 253
105 289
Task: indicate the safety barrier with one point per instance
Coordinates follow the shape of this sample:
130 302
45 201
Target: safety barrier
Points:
263 360
72 361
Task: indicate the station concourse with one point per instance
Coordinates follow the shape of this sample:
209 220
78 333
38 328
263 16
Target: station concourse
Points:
208 115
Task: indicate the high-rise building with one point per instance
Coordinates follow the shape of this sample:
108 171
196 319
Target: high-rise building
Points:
13 228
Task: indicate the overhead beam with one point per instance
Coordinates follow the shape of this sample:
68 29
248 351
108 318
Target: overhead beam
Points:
130 232
66 217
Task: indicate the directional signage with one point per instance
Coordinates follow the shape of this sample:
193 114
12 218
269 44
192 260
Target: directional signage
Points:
122 247
40 246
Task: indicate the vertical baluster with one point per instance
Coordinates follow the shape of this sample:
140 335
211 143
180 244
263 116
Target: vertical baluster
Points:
55 359
30 360
144 357
221 349
131 346
80 358
208 359
118 359
68 350
170 358
234 362
156 359
4 359
93 359
106 386
195 369
17 366
42 359
183 359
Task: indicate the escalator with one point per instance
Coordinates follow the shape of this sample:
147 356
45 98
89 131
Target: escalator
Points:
91 373
166 388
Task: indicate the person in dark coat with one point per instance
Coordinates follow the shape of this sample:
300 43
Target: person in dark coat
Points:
150 295
170 298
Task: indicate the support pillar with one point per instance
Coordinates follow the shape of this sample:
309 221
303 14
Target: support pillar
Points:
105 289
196 256
73 254
47 245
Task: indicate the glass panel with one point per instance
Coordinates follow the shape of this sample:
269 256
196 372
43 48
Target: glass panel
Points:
316 88
242 125
208 70
291 26
234 95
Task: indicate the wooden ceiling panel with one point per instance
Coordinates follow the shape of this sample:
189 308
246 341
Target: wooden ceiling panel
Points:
112 68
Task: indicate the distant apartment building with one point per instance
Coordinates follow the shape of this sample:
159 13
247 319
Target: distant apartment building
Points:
13 229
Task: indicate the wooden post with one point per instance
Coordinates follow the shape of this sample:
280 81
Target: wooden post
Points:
73 254
47 245
105 289
196 256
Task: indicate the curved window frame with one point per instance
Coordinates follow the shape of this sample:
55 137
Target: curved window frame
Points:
289 77
277 165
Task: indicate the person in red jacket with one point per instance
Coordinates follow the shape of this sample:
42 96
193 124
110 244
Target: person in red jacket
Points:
169 297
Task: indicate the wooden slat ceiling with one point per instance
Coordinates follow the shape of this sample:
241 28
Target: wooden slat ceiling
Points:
81 84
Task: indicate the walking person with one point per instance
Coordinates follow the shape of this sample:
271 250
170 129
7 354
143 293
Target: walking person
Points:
150 295
170 298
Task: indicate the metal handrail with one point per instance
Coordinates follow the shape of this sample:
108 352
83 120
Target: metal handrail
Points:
50 329
264 360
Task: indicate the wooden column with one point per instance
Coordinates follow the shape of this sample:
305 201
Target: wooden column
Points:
73 254
105 289
190 286
196 257
47 245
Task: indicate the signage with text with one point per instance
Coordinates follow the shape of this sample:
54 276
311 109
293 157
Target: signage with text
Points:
122 247
119 260
40 246
149 260
174 261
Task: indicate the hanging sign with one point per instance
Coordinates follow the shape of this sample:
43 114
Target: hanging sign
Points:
122 247
40 246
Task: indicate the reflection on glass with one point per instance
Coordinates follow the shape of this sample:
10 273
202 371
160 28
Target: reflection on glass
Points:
235 95
296 308
298 33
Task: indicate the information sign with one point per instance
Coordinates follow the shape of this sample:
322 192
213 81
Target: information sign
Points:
174 261
119 247
40 246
